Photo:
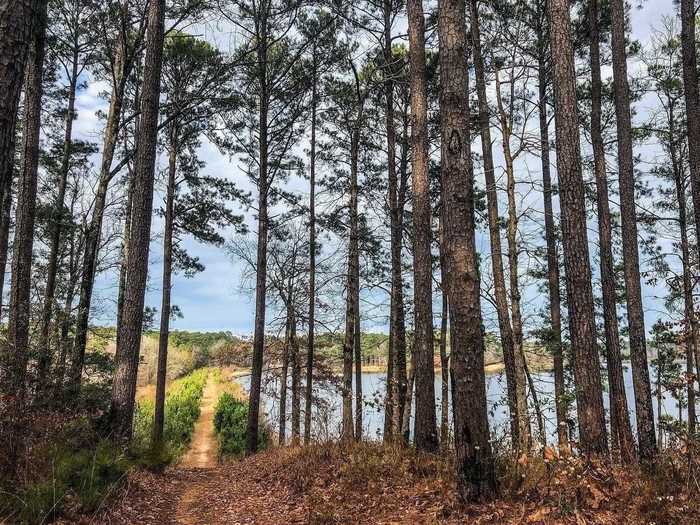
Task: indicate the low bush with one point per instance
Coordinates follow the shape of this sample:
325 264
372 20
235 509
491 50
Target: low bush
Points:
230 419
181 413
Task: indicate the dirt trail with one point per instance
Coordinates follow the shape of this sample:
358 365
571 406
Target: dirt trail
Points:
203 448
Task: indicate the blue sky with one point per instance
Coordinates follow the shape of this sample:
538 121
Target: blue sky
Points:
214 300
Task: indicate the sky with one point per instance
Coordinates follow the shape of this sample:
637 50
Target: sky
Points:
214 300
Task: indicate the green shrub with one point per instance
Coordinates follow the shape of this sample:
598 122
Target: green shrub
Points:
181 413
230 419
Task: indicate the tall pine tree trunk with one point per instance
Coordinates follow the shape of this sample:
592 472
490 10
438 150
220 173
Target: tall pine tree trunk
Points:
621 431
444 356
7 176
426 437
555 343
296 379
15 353
589 391
692 103
17 20
516 389
474 460
646 432
312 259
261 256
162 371
283 378
127 357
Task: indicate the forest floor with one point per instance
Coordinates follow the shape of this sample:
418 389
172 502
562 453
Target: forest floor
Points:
369 483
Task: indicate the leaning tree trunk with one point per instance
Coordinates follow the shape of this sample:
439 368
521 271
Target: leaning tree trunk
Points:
516 389
474 459
426 436
524 430
555 343
56 226
589 391
646 432
621 431
692 103
312 259
17 20
162 371
127 358
15 353
123 64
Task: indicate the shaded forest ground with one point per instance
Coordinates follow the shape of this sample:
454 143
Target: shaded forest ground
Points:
373 484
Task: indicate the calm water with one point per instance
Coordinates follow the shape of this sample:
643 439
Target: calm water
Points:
327 418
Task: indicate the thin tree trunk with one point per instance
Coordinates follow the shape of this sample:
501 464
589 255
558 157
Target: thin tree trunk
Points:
555 344
16 352
127 358
524 430
646 432
692 331
57 218
312 260
5 216
261 259
474 460
621 431
426 436
162 371
357 345
516 389
444 357
589 391
283 380
296 380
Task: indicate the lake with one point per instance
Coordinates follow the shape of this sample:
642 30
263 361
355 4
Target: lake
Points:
327 418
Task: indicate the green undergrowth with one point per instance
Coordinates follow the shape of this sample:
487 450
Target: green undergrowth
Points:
230 419
182 408
74 473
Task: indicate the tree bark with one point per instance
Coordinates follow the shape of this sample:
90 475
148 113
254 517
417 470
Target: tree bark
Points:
646 431
283 380
15 354
296 376
263 233
621 431
516 389
444 356
17 20
555 344
692 103
352 291
589 391
162 372
474 460
426 436
57 218
5 216
127 358
312 258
